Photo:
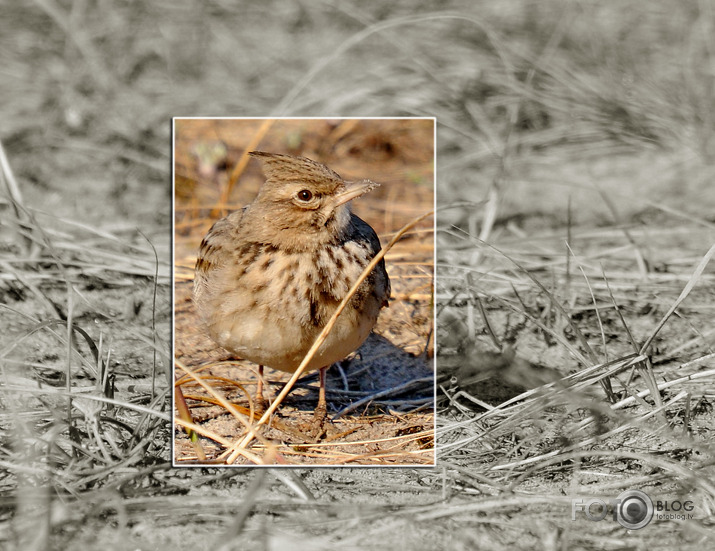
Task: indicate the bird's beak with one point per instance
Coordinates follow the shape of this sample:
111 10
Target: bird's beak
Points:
354 190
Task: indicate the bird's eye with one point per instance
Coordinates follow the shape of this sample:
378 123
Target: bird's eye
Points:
305 195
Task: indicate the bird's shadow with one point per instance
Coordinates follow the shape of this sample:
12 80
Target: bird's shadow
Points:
378 377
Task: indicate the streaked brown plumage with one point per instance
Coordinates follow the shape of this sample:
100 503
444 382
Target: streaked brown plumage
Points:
269 276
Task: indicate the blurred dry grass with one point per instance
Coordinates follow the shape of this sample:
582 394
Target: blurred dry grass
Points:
536 102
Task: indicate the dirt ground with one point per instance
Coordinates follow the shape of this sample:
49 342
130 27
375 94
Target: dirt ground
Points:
574 290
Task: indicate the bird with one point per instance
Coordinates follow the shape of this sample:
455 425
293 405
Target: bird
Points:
269 276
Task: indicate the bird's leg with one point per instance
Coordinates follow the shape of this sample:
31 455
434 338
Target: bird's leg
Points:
321 411
260 401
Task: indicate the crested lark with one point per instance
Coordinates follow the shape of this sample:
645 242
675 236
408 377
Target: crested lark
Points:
270 276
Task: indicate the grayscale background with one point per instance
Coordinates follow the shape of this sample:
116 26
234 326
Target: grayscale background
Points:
558 122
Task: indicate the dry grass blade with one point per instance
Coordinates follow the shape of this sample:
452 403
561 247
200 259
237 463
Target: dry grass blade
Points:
388 392
243 161
324 333
185 415
208 388
690 476
704 375
605 383
153 315
375 28
22 221
109 401
8 177
683 295
590 441
225 542
198 429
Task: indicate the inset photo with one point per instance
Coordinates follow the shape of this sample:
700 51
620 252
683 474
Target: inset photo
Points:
304 292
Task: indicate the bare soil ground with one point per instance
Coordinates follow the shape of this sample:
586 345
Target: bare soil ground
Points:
587 124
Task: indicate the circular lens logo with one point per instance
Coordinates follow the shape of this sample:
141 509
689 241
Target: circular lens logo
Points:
634 509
